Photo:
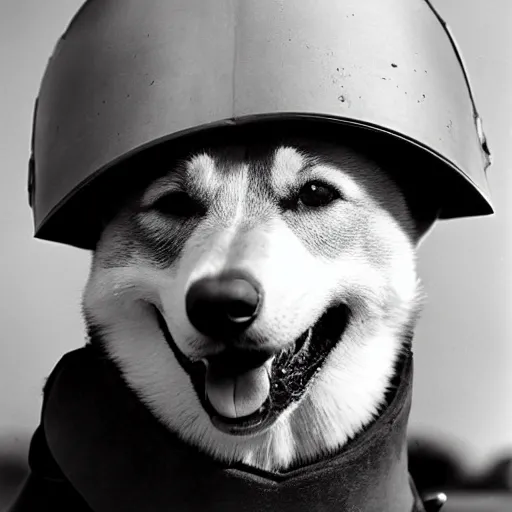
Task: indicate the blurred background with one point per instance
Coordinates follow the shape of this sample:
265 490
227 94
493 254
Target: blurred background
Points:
461 422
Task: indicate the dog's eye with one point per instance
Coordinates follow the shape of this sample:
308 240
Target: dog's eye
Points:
178 204
315 194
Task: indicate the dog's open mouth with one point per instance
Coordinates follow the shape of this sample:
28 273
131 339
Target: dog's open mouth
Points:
244 391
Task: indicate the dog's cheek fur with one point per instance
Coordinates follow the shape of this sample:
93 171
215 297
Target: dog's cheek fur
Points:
347 394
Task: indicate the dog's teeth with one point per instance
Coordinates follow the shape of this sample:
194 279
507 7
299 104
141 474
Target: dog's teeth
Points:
304 344
309 336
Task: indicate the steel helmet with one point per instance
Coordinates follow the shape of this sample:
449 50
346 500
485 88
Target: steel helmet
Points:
131 75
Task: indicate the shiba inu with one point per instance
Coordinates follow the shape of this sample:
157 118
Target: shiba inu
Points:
253 179
255 297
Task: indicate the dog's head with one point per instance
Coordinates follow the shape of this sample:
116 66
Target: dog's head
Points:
255 298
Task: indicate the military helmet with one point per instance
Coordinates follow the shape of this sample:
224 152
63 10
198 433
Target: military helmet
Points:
130 76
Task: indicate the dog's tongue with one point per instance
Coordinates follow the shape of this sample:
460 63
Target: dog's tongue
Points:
240 395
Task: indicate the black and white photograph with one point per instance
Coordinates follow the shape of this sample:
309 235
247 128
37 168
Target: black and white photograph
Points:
256 255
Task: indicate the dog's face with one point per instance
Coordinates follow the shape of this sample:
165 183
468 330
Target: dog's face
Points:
255 300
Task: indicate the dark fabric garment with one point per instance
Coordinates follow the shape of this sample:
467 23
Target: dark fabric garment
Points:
98 449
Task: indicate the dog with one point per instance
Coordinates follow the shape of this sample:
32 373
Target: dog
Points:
256 296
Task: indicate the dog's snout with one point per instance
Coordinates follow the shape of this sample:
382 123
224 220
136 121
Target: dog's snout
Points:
223 306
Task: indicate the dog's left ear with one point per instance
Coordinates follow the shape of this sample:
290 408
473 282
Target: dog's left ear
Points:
425 208
424 223
423 186
415 172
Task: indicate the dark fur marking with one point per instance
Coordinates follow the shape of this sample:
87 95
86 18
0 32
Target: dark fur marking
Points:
162 244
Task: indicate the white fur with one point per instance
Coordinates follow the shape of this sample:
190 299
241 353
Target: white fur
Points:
287 162
299 285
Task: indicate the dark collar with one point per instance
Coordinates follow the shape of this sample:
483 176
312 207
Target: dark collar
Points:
118 457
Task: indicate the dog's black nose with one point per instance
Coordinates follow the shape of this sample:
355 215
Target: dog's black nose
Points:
223 306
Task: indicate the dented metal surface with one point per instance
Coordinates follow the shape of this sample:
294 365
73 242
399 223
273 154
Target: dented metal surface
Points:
478 119
125 77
